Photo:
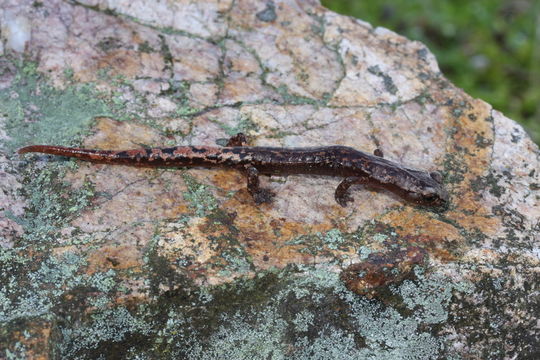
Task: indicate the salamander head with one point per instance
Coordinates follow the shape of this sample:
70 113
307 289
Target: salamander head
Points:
420 187
424 188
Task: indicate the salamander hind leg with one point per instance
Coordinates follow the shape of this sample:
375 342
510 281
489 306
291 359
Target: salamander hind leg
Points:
259 194
238 140
342 194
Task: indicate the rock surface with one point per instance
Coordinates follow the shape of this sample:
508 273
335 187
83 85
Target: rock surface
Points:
110 261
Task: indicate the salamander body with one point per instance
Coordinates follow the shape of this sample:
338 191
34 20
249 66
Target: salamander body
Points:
354 166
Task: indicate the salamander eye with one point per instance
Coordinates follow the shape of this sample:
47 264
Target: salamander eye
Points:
435 175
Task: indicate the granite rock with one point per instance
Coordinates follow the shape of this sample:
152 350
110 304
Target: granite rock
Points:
119 262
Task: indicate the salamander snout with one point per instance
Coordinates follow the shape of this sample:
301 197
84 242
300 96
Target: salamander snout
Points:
434 195
428 190
435 199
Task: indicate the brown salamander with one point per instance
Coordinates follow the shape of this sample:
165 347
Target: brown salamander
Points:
356 167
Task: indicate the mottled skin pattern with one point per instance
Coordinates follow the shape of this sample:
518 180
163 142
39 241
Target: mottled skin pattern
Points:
356 167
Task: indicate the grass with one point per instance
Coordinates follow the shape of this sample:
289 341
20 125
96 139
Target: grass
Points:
490 48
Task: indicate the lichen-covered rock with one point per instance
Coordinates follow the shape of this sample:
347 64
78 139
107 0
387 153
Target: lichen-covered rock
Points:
119 262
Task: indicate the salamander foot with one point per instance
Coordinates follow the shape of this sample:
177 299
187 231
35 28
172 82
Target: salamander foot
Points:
263 196
343 199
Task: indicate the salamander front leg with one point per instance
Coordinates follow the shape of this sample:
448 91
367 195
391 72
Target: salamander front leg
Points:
237 140
259 194
342 195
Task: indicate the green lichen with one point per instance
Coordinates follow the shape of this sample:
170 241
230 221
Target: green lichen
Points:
330 343
333 239
33 280
364 252
34 292
294 313
17 352
488 182
292 99
48 209
387 80
454 168
302 320
199 196
113 325
426 299
37 113
384 331
323 243
243 124
240 338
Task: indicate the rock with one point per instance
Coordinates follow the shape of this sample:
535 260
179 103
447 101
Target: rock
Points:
98 261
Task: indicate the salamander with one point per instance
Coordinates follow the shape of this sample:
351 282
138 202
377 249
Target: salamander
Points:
354 166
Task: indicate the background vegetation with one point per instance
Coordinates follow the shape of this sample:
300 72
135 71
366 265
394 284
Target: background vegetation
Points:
490 48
